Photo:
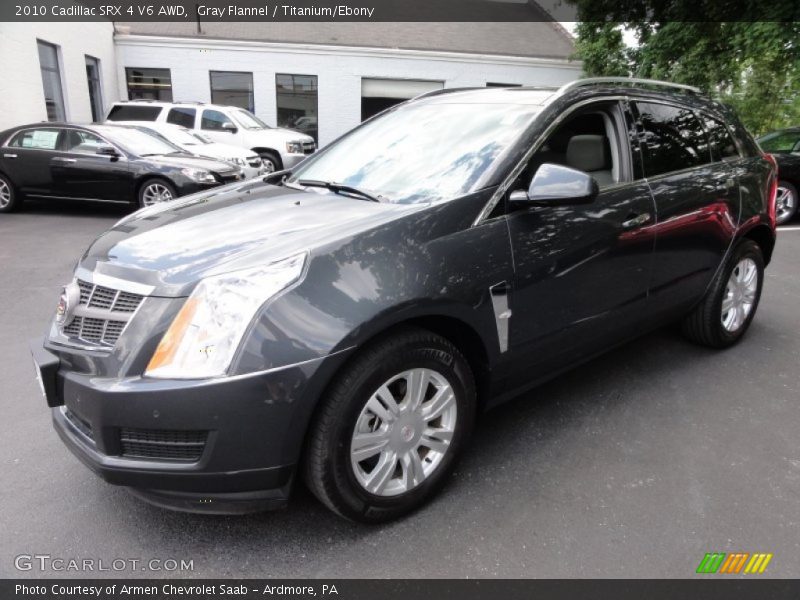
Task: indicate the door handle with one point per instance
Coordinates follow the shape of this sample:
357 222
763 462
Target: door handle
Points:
64 160
636 221
9 156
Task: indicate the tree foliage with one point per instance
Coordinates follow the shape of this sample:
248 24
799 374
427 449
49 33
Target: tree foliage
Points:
753 65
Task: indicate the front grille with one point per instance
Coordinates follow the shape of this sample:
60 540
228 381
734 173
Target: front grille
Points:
80 424
102 314
163 444
309 147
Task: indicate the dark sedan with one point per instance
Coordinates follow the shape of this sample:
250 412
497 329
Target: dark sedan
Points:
785 146
105 162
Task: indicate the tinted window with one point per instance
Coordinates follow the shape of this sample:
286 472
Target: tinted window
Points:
232 89
181 116
82 142
722 144
781 141
51 82
149 84
38 139
297 102
672 138
126 112
213 119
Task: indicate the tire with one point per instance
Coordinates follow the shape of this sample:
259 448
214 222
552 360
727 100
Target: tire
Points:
271 161
786 202
9 197
150 189
331 471
709 323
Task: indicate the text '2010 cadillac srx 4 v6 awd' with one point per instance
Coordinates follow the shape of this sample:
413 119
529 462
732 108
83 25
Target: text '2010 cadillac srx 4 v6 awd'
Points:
345 322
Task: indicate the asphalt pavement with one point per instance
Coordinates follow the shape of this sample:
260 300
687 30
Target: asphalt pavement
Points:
633 465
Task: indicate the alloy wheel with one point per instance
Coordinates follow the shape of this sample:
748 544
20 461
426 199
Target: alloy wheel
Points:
5 194
403 432
155 193
740 294
785 204
268 164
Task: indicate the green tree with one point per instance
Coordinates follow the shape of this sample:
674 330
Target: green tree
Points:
752 65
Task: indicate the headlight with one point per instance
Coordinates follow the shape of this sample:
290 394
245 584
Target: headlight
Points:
206 332
237 161
200 175
294 147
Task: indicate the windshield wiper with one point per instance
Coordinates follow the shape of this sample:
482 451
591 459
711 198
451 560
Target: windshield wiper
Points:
339 188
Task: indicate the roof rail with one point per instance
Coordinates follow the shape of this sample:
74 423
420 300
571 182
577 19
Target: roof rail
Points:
625 81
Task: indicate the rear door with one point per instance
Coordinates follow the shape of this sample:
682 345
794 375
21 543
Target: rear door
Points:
697 203
27 159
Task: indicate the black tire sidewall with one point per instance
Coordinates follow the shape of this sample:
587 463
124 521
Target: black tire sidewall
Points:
276 160
745 249
359 503
164 182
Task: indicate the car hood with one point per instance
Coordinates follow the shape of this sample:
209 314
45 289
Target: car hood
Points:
172 246
182 161
280 134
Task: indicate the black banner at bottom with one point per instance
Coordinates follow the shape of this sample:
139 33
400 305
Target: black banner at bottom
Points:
409 589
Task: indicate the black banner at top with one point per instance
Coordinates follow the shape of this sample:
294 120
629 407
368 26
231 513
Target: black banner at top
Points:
396 10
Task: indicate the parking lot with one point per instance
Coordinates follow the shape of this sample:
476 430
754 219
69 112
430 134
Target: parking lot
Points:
634 465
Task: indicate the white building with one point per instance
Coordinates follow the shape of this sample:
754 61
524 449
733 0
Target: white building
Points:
322 78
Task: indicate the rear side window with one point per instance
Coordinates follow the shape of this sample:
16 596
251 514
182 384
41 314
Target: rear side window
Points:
722 144
672 138
36 139
182 116
125 112
213 120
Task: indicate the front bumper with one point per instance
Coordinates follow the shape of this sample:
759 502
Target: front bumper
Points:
252 431
292 160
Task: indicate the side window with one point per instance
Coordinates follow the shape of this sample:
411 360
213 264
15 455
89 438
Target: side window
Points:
782 141
213 120
182 116
722 144
82 142
36 139
671 137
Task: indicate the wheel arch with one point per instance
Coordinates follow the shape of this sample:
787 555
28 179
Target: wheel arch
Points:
765 238
145 178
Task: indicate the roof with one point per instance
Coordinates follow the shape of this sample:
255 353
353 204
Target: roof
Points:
542 39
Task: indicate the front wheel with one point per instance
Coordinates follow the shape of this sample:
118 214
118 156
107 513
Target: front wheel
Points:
155 191
391 427
723 316
271 162
785 202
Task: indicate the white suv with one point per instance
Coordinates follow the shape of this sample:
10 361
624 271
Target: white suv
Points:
278 148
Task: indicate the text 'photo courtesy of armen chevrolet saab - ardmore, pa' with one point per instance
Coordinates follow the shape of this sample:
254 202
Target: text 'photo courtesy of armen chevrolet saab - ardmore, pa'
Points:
503 292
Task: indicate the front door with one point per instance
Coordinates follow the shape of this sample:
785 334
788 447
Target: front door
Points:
79 172
582 271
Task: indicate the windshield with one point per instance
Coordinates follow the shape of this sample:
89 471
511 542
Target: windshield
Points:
139 142
421 153
248 120
180 136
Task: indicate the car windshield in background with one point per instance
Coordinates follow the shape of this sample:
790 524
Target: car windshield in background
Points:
138 141
248 120
781 141
420 153
181 136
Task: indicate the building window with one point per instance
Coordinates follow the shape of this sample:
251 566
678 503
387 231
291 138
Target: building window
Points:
149 84
95 90
230 88
379 94
297 103
51 82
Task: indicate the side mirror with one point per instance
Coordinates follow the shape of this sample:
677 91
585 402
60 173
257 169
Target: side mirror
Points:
107 151
229 127
554 185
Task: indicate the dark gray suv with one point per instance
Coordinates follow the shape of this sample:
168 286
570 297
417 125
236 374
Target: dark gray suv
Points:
345 322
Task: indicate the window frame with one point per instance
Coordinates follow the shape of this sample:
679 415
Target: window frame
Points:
57 71
251 91
96 85
128 83
315 90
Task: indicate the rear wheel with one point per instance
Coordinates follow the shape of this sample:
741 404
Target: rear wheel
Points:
785 202
155 191
724 315
9 198
391 427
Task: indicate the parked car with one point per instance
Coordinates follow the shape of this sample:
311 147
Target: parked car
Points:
100 162
345 325
278 148
785 146
198 144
